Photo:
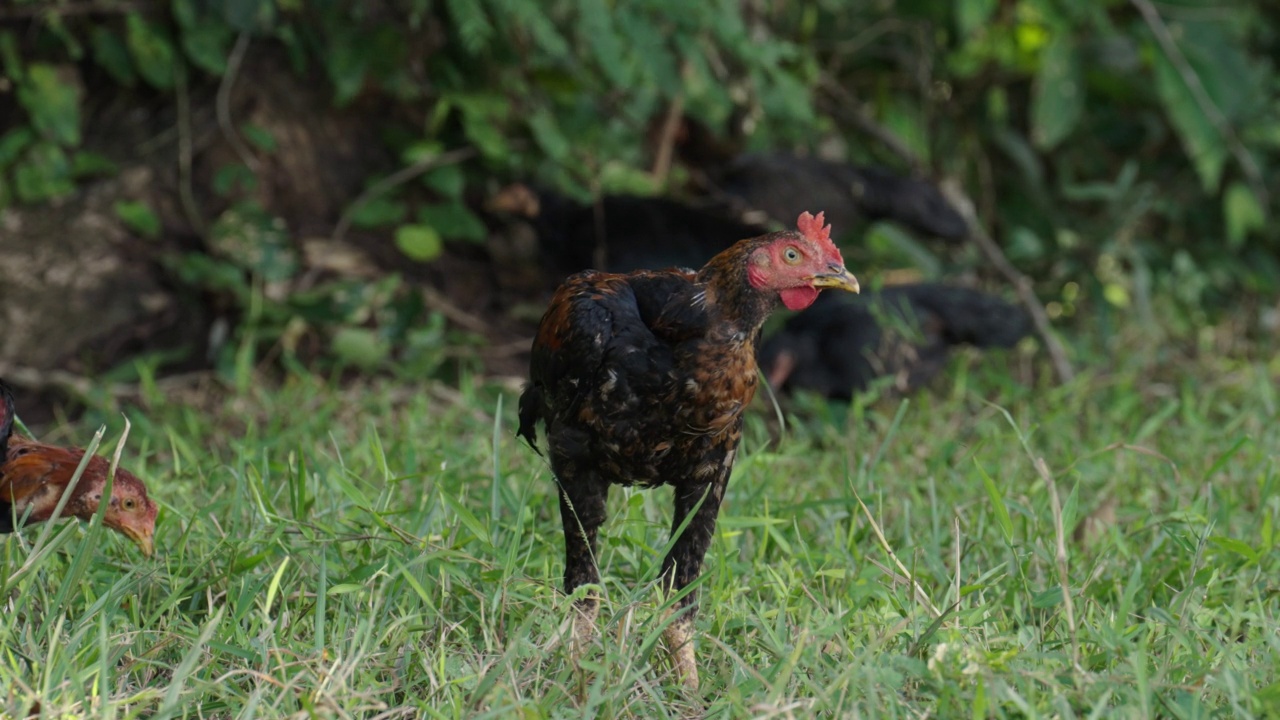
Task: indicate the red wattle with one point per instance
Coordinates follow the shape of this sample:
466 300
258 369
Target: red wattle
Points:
799 298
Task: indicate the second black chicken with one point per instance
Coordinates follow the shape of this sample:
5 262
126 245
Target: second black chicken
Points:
839 346
621 233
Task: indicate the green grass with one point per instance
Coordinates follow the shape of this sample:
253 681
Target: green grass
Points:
385 551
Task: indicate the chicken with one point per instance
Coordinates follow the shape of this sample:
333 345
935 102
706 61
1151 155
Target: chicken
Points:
838 346
621 233
642 379
776 183
35 475
780 184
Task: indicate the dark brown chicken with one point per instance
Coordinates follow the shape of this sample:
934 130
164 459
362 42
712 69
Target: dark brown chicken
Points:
35 475
642 379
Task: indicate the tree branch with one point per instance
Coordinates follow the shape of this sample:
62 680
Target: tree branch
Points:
667 140
223 104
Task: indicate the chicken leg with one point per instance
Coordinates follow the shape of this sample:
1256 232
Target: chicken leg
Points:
683 564
582 511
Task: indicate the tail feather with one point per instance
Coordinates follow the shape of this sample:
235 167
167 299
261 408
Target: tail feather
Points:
530 413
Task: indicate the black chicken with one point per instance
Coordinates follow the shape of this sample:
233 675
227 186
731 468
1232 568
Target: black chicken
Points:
642 379
838 346
621 233
780 185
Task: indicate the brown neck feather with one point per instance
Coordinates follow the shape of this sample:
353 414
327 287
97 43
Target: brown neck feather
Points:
730 295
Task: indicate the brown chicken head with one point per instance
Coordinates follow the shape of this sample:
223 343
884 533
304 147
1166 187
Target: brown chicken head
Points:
130 511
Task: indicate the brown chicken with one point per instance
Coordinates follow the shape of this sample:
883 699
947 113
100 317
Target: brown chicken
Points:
34 477
642 379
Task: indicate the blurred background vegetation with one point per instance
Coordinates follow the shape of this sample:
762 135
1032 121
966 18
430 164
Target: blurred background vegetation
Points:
304 179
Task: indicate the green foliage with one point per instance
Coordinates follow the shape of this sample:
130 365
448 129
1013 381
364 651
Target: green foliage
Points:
1117 148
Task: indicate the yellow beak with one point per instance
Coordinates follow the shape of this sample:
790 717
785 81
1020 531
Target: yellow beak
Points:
143 539
837 279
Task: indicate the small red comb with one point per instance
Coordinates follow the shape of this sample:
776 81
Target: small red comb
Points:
813 228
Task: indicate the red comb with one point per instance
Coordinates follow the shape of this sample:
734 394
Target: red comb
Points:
814 229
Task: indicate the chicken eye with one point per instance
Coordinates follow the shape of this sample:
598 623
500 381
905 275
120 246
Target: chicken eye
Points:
791 255
128 504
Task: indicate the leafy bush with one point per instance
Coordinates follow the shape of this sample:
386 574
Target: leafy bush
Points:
1122 150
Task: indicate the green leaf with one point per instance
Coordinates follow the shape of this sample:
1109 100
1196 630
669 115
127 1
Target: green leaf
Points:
419 242
1232 545
152 52
86 164
548 135
471 25
259 137
185 13
453 220
361 347
467 518
980 701
230 177
113 56
973 14
379 212
10 55
13 143
997 502
484 130
899 115
53 105
207 45
1048 598
1057 100
597 29
1200 139
1071 508
1242 213
249 15
448 180
346 63
43 173
421 151
358 498
139 217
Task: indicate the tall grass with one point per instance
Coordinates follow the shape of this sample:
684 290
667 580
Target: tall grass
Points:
1104 549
